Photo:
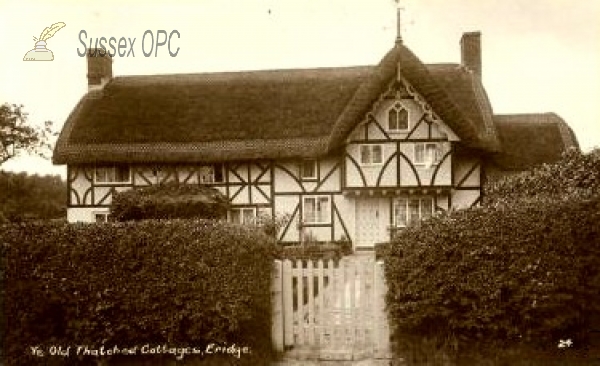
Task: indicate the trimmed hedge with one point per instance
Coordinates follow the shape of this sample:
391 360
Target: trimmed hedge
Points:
316 251
507 281
169 201
575 175
495 278
180 283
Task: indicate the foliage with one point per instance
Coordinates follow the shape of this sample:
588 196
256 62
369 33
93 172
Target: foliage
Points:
31 197
315 251
169 201
179 282
518 273
17 135
575 175
526 274
270 225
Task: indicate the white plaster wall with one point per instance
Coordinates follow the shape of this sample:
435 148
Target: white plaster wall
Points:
258 197
425 174
414 115
283 181
84 214
285 205
464 198
81 184
345 206
317 233
443 202
333 183
462 166
371 172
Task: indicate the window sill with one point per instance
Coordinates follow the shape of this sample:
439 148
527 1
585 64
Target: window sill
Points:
112 183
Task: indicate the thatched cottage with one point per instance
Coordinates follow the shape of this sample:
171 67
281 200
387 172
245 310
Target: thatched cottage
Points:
350 153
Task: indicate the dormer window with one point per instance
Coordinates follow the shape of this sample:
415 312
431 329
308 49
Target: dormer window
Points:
398 118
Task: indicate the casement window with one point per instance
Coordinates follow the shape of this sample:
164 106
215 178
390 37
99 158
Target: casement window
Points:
209 174
408 211
371 154
398 118
308 169
112 174
100 217
427 153
316 209
242 215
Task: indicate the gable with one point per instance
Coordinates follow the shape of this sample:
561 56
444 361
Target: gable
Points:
470 127
401 102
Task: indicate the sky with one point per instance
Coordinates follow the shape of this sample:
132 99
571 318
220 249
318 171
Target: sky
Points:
538 55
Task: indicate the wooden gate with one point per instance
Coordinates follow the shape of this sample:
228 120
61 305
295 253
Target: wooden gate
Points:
330 311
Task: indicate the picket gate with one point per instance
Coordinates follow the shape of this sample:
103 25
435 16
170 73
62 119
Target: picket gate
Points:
330 311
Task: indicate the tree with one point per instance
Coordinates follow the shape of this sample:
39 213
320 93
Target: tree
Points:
31 197
17 135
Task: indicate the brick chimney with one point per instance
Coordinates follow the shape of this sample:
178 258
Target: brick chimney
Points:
99 68
470 50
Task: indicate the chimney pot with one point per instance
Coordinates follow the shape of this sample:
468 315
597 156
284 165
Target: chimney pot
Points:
470 46
99 68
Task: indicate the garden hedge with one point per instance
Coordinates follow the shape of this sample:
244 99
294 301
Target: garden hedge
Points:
169 201
519 273
180 283
575 175
527 274
317 251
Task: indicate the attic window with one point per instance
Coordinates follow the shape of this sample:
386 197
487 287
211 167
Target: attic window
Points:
112 174
398 118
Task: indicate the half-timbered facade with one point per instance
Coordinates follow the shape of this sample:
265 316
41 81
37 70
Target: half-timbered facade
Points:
352 153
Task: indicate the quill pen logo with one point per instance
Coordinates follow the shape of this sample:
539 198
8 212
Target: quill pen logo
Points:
40 52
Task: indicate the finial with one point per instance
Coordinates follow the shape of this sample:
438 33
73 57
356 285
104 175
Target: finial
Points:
398 22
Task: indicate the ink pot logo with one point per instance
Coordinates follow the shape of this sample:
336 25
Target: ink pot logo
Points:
40 52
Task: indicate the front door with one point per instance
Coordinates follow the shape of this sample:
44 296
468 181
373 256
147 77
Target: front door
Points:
368 223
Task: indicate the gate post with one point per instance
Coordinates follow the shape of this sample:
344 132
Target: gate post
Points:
277 306
382 334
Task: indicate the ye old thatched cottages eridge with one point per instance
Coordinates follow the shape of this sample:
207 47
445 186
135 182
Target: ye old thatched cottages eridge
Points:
347 153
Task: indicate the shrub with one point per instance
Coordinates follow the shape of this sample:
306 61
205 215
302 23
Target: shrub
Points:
495 277
270 225
169 201
575 175
180 283
316 251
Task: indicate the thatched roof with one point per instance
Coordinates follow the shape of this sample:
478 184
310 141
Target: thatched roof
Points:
466 121
261 114
531 139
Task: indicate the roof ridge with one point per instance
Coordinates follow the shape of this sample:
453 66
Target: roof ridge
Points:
526 114
251 71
